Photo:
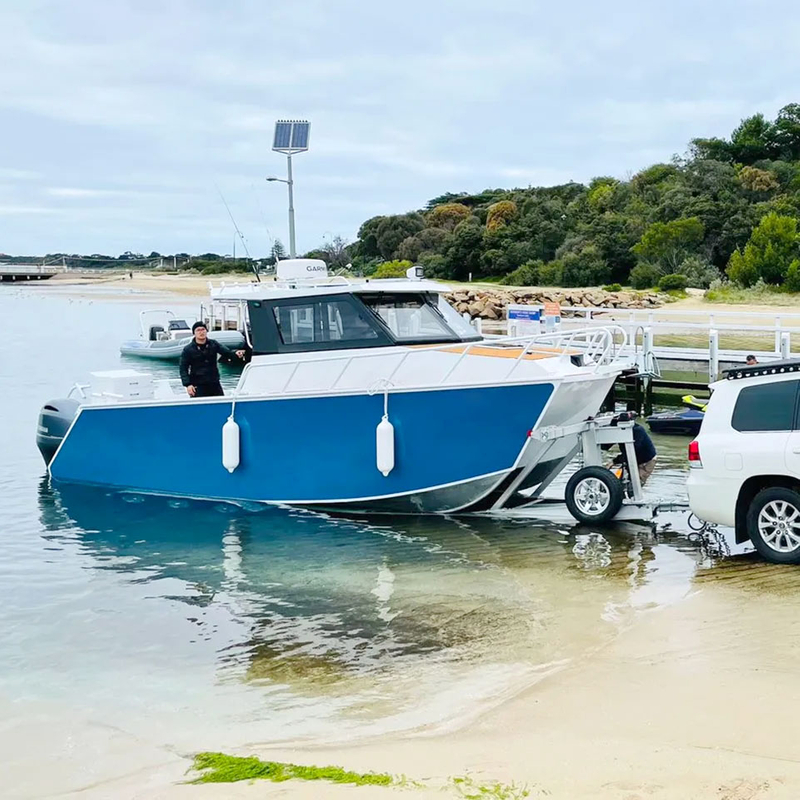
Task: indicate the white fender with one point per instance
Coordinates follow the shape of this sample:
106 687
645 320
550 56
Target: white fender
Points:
230 445
384 446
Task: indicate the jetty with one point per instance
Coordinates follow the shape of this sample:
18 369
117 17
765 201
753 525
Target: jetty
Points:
28 272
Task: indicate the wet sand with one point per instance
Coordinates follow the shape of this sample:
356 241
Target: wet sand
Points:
186 285
697 699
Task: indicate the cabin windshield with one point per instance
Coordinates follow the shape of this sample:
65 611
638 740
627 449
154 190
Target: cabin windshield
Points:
415 318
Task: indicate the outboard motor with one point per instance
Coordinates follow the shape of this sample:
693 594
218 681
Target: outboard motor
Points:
54 420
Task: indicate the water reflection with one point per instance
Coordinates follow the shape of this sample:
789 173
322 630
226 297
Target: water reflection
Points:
415 622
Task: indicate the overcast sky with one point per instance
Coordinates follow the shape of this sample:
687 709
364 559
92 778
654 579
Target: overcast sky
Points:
119 119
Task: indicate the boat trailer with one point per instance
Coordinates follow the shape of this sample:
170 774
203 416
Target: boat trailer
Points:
594 494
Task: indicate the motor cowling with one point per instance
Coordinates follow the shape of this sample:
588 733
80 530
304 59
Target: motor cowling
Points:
54 420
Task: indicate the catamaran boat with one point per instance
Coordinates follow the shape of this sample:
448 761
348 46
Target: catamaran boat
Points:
163 336
367 396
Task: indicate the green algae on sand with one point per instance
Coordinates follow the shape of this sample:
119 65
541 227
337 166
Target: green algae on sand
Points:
222 768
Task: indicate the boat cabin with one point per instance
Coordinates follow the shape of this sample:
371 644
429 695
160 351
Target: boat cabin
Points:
299 314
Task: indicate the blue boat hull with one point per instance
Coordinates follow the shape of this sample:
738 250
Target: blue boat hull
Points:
451 446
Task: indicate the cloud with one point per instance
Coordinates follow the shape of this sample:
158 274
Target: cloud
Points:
123 117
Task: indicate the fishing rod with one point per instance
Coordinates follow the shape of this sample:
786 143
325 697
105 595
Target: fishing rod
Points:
239 234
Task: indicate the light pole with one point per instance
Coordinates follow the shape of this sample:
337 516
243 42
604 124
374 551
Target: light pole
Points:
291 136
290 184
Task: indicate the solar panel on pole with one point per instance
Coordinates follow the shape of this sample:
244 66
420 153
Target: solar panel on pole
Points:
300 136
283 135
291 136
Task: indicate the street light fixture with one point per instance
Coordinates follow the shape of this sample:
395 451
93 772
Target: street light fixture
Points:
291 137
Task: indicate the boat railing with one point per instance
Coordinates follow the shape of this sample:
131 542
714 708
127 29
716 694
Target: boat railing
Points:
600 348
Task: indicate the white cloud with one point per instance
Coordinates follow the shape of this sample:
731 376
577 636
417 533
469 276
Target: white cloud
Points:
125 115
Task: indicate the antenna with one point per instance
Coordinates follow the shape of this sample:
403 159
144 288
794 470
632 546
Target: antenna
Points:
239 234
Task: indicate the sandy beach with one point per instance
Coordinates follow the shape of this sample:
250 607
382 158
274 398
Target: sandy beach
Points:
198 285
696 699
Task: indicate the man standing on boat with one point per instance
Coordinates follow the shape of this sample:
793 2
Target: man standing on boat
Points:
199 370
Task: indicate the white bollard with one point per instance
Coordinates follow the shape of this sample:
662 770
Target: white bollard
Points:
786 344
648 357
713 355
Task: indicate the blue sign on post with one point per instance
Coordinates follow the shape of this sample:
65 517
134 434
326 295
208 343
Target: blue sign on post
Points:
523 320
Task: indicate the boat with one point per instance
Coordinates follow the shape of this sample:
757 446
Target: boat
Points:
163 336
361 395
679 422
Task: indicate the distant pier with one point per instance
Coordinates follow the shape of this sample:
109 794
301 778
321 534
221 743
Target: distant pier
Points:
28 272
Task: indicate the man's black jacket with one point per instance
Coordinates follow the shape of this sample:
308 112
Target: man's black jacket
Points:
199 363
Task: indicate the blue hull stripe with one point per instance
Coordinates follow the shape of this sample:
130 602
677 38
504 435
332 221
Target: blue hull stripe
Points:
308 449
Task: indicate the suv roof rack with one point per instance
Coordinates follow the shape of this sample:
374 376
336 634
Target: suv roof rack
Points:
758 370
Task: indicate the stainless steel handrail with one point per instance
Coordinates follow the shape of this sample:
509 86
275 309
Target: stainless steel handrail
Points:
597 344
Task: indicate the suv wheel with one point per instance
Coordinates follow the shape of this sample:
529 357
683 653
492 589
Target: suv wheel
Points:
593 494
773 524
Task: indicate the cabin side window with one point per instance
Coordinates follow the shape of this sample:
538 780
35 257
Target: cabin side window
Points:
313 323
321 322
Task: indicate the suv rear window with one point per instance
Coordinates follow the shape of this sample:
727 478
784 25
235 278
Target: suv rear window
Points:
767 407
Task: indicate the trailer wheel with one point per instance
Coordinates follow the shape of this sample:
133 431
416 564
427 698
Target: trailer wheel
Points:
594 494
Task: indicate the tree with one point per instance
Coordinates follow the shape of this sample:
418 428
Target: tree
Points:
336 252
668 243
277 251
585 267
499 214
448 215
392 230
785 133
769 254
713 149
751 140
463 254
758 181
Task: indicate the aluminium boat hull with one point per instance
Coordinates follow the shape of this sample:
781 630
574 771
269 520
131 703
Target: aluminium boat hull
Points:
456 449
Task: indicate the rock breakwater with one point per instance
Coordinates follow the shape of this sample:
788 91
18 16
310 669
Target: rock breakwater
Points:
491 304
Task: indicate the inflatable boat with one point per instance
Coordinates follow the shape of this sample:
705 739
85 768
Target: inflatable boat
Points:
163 336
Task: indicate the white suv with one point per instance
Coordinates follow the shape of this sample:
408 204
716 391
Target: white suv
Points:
746 459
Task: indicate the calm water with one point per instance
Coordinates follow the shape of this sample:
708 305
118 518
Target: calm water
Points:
205 625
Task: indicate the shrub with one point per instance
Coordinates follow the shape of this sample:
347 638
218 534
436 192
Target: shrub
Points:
741 271
435 265
526 275
645 276
585 267
392 269
792 282
551 274
612 287
700 274
672 282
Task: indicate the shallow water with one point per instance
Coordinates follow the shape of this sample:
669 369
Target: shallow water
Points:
201 625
